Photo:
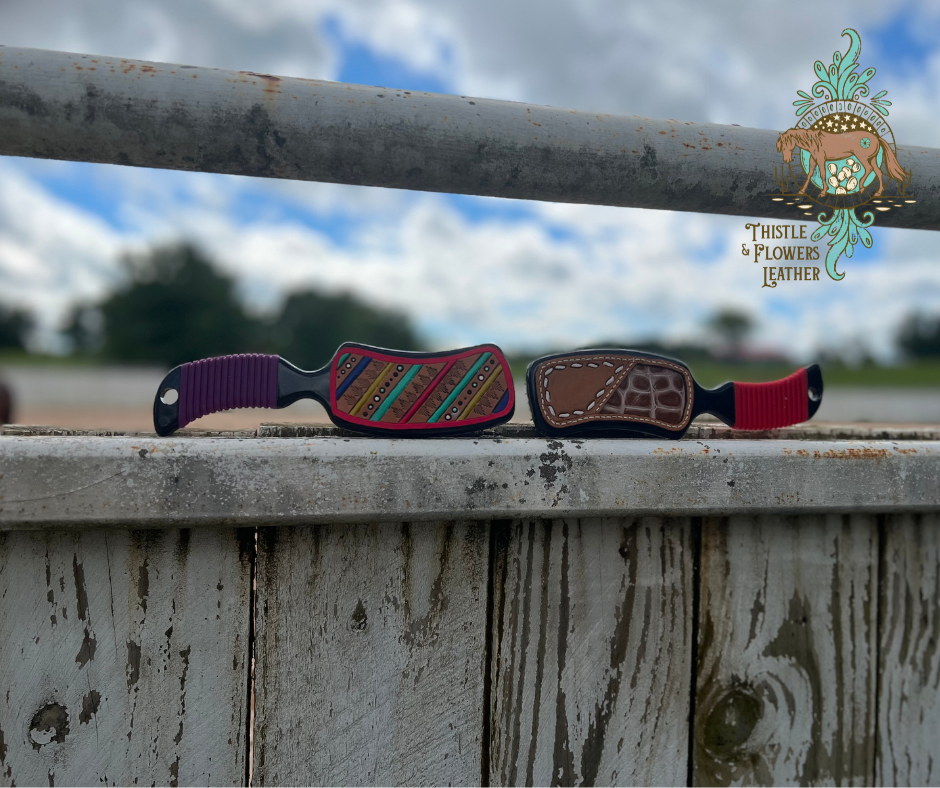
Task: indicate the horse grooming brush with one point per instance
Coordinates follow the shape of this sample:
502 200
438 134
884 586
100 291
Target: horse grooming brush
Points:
380 392
623 392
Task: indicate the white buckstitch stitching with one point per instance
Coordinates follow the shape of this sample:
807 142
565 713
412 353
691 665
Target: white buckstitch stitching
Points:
635 360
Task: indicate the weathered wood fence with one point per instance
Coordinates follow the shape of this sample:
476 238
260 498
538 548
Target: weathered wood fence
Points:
499 610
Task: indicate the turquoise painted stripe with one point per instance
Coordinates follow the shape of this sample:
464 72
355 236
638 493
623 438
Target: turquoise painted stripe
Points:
453 395
396 392
342 359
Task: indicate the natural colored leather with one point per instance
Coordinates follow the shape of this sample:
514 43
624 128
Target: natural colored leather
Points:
614 387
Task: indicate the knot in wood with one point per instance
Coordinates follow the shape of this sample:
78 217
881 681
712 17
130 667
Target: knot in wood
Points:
730 724
49 724
359 620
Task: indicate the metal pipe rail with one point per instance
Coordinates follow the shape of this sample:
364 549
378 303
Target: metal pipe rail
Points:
58 105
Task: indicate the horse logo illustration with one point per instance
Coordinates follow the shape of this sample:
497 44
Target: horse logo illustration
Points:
846 150
854 147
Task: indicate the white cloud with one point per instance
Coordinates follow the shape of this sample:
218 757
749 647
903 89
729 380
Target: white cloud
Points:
249 36
620 275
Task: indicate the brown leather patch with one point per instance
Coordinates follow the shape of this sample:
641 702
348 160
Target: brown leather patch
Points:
614 387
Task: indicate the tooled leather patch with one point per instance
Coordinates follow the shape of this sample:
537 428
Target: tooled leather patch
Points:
608 387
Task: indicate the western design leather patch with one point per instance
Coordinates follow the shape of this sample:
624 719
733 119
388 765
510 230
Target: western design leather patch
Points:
415 387
611 387
491 399
360 385
460 391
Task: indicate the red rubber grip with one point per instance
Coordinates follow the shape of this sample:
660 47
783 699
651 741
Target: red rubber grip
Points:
765 406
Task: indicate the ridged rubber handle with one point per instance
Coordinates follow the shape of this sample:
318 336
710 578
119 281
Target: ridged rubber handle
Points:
246 380
766 406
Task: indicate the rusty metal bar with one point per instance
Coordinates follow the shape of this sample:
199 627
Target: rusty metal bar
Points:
57 105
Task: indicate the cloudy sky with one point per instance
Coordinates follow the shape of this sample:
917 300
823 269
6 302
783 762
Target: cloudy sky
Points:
562 274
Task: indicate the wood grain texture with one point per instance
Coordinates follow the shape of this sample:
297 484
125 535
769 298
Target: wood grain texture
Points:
787 645
123 657
592 651
908 748
371 654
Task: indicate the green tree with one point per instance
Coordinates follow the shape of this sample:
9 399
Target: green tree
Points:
312 325
83 328
920 337
732 328
174 306
14 324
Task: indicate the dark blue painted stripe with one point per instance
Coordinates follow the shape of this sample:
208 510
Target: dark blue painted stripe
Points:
353 374
503 402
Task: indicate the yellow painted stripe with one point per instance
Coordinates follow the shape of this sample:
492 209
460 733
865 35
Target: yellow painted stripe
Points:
370 392
479 395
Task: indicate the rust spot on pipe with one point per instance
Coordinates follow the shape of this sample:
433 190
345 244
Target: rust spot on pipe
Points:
267 77
148 69
130 67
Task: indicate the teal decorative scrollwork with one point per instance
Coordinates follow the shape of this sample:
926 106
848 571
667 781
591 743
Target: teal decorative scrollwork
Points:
838 88
846 231
839 81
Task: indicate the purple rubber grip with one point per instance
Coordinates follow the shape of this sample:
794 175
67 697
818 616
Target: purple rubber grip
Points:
247 380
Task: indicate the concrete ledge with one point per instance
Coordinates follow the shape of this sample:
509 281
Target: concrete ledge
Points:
149 482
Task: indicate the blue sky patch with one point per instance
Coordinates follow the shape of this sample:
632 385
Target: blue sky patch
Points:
80 184
897 50
360 65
